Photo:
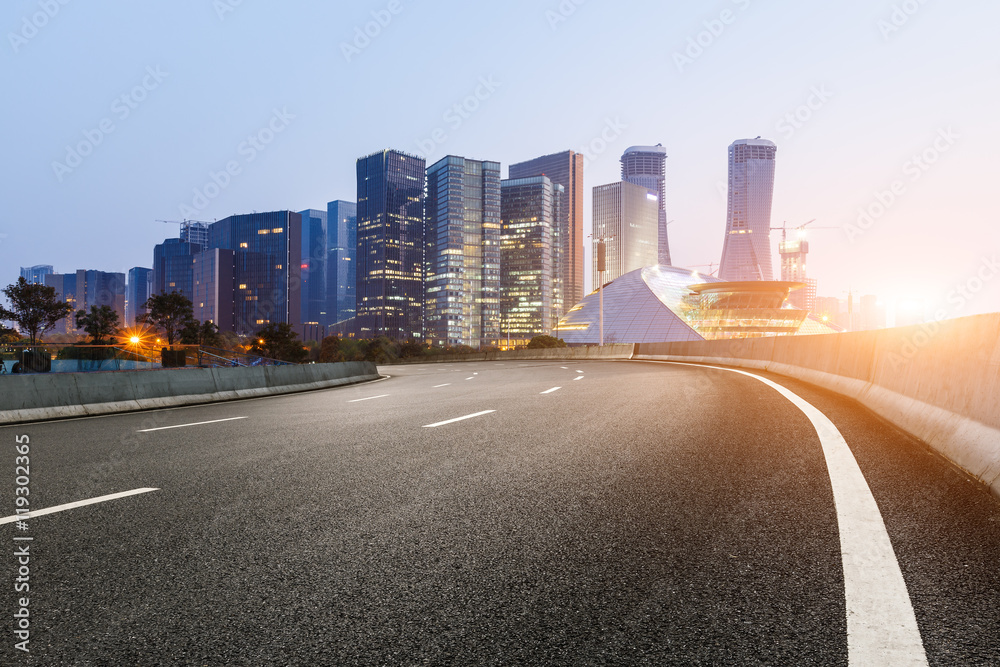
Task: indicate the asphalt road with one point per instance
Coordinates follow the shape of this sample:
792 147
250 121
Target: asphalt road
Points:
646 514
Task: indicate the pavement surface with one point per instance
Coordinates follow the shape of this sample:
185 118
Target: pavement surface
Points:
640 514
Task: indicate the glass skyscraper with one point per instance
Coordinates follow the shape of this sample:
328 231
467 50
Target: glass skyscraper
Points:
746 253
314 266
462 234
137 290
646 166
84 289
342 225
391 247
626 215
173 263
528 296
35 275
267 260
565 169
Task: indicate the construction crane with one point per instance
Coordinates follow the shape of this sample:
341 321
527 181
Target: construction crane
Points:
711 268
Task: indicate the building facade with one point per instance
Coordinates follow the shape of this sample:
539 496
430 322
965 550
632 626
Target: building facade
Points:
85 289
746 252
647 166
173 263
626 215
314 267
215 288
193 231
390 246
565 169
267 273
137 290
462 235
342 225
35 275
529 275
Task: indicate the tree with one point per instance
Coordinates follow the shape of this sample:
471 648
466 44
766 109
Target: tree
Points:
169 312
278 341
544 342
329 351
35 308
101 323
204 334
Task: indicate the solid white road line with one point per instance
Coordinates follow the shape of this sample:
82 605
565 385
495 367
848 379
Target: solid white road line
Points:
68 506
881 626
214 421
552 390
578 377
437 386
458 419
358 400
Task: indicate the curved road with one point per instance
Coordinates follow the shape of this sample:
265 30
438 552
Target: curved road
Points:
640 514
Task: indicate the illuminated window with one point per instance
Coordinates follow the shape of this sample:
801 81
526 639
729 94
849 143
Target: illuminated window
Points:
243 245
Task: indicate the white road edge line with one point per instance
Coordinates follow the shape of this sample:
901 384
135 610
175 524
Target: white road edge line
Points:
552 390
881 625
68 506
358 400
458 419
164 428
447 384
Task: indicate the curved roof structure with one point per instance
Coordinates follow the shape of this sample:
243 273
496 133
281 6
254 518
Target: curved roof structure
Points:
637 309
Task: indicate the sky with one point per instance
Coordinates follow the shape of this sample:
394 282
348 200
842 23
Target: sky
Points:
885 114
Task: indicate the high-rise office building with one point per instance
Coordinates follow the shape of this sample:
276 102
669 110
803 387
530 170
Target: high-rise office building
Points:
342 226
626 215
565 169
215 289
267 261
35 275
137 290
86 288
314 267
462 234
390 249
794 257
746 253
173 262
528 274
647 166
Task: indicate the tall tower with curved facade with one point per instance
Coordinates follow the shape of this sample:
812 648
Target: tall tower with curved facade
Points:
646 166
746 253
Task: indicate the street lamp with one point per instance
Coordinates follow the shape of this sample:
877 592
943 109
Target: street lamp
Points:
601 250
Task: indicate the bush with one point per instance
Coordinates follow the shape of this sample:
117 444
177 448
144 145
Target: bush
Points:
545 342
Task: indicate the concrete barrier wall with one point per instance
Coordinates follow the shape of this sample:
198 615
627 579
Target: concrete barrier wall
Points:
939 381
555 353
34 397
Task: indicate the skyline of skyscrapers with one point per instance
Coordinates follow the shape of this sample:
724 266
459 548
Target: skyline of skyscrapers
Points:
462 235
85 288
391 247
626 216
746 251
647 166
565 169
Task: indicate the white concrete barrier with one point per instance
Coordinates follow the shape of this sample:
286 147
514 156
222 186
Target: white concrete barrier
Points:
35 397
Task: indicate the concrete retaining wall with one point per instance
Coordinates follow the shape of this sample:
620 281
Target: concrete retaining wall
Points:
939 381
35 397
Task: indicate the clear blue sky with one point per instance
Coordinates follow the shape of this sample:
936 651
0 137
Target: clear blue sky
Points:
210 74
